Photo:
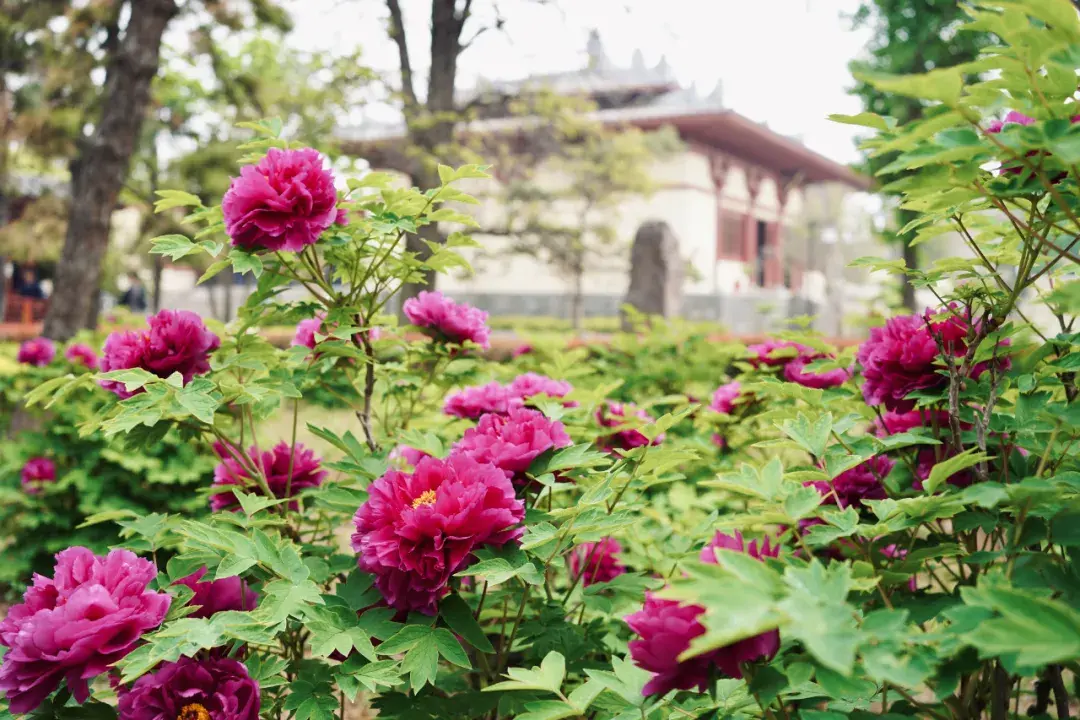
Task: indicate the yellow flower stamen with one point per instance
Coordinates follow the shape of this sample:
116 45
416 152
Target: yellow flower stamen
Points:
194 711
426 498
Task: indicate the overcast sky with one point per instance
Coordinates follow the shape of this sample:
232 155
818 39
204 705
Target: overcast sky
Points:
783 62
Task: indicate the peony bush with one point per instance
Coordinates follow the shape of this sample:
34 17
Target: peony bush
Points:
656 526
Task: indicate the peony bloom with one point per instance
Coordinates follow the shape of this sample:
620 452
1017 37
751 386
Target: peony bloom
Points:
275 463
1011 118
776 353
82 354
472 402
74 626
523 349
667 628
214 596
306 329
284 202
724 397
529 384
446 320
39 351
212 688
795 371
417 529
36 472
511 442
176 341
615 415
903 356
405 456
862 482
596 562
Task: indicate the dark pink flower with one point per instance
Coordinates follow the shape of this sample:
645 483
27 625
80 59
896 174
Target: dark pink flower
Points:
447 320
417 529
597 562
82 354
211 688
523 349
529 384
472 402
342 217
177 341
275 463
214 596
407 456
1011 118
39 351
795 371
617 415
903 356
724 397
284 202
306 329
862 482
774 353
36 472
666 629
511 442
894 423
74 626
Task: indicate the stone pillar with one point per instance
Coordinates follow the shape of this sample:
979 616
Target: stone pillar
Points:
656 272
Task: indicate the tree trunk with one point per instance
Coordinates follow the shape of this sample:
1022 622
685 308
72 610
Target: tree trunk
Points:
227 285
911 258
577 298
100 168
155 293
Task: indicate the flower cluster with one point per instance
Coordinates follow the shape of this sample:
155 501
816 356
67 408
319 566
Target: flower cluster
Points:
287 471
511 442
212 688
416 530
74 626
666 628
38 351
792 359
36 472
472 402
617 415
176 341
446 320
284 202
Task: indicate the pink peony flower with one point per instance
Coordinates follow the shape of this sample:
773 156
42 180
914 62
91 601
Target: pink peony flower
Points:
597 562
776 353
724 397
306 329
511 442
472 402
214 596
82 354
666 629
795 371
523 349
75 626
530 384
1011 118
39 351
417 529
447 320
862 482
211 688
903 356
176 341
615 415
36 472
275 463
406 456
284 202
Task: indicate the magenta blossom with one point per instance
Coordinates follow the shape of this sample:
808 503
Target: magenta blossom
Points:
406 456
39 351
211 688
724 397
796 372
511 442
529 384
854 485
82 354
275 463
903 356
177 341
776 353
76 625
597 562
472 402
284 202
666 629
306 330
1011 118
523 349
617 415
446 320
416 530
214 596
36 472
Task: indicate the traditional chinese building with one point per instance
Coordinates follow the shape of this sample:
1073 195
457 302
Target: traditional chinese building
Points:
749 206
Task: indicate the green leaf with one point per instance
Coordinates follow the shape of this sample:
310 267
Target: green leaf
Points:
422 661
863 119
941 84
459 617
1035 630
172 246
174 199
213 270
549 676
450 648
947 468
812 436
243 262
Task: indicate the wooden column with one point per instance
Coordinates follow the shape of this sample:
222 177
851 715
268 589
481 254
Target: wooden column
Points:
754 178
774 263
719 165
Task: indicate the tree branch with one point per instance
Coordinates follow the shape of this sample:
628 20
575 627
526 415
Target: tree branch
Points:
397 34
